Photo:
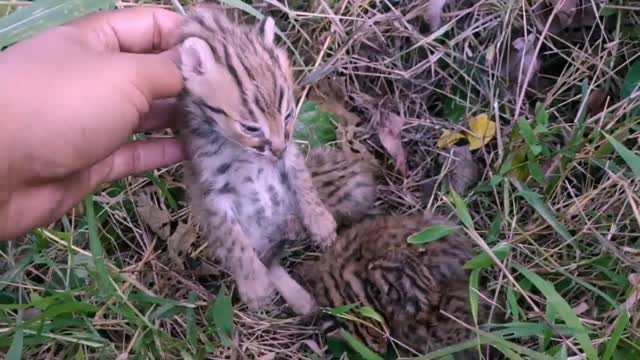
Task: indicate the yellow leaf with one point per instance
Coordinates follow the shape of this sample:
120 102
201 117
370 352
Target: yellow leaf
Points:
482 131
448 138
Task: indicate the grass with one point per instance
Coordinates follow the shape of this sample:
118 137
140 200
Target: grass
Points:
557 201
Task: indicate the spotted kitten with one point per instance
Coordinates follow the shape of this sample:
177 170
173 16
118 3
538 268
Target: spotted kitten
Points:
247 182
372 264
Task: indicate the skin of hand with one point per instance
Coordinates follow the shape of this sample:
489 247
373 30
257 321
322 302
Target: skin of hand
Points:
71 99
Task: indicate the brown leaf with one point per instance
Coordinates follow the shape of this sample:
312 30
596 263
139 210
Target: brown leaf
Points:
179 243
330 96
632 299
462 172
565 12
522 57
570 14
389 132
156 218
596 102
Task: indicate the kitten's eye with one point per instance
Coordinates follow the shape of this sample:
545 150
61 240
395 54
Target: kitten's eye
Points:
250 129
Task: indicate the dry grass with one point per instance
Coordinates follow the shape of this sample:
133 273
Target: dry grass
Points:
384 53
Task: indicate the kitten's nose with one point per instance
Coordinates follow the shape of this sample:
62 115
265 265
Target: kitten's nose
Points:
278 148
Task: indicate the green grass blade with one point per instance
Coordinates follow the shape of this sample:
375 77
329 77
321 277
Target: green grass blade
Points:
461 210
483 260
612 344
15 350
529 136
341 310
563 310
513 305
359 347
631 80
494 229
162 185
371 314
43 15
562 354
431 234
535 200
507 352
192 334
96 247
489 338
223 317
474 280
627 155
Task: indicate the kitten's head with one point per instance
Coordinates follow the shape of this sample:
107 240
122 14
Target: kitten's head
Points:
239 80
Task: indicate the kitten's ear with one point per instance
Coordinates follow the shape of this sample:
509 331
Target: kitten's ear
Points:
196 58
267 29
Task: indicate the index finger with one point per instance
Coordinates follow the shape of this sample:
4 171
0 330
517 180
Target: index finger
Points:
136 30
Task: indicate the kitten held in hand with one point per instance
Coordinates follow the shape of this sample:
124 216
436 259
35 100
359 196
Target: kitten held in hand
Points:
247 182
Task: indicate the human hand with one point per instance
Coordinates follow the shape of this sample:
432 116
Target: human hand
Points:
71 98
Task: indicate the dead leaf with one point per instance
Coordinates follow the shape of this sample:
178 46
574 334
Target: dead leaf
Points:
31 314
156 218
389 132
581 308
596 102
565 13
461 171
179 243
330 96
482 131
522 57
570 14
448 138
434 14
634 296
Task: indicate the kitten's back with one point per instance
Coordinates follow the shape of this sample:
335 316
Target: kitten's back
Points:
409 285
346 183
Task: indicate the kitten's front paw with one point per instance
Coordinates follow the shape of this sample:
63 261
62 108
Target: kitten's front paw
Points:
322 229
257 291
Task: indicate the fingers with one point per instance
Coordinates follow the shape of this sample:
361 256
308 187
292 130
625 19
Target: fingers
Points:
155 75
137 30
162 115
136 158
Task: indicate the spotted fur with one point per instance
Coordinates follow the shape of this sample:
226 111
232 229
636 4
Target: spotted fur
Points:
410 286
248 184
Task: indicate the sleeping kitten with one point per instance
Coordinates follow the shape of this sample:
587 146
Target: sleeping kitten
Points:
410 286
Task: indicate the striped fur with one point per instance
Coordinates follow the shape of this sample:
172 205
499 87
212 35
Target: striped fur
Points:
250 83
345 182
372 264
251 191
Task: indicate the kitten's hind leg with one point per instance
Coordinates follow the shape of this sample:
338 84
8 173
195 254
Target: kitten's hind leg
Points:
230 244
300 301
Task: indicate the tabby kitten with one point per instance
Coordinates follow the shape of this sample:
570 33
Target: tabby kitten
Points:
372 264
247 182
